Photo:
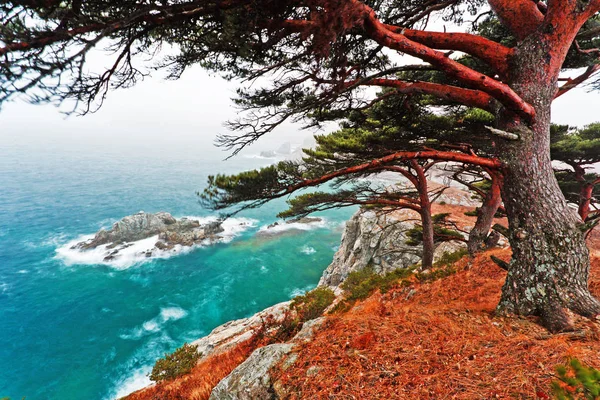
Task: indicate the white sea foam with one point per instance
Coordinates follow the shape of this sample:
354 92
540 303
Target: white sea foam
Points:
136 252
4 287
300 291
283 226
138 380
308 250
134 373
155 324
264 269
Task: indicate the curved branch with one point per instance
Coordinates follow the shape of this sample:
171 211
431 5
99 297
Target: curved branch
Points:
574 82
396 41
380 163
469 97
154 15
495 54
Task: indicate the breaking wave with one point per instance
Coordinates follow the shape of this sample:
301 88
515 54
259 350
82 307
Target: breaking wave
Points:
137 251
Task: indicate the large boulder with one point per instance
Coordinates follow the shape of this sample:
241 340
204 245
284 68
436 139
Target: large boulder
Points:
251 379
376 239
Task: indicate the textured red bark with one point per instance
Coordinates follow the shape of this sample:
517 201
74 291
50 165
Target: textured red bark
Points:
495 54
426 218
521 17
485 215
585 200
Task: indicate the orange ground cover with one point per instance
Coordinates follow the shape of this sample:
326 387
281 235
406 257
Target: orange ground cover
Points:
204 377
438 340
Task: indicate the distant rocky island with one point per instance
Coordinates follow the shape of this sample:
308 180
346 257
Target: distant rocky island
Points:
171 232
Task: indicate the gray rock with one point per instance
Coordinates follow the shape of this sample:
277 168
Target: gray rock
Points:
304 220
370 238
448 247
234 332
308 330
251 379
170 231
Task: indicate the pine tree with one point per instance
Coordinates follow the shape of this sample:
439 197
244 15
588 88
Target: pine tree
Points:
579 149
317 56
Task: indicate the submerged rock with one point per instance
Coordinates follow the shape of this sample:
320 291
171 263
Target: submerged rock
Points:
289 226
171 232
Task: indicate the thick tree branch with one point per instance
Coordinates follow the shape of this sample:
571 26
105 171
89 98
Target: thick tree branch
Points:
380 163
396 41
454 94
521 17
495 54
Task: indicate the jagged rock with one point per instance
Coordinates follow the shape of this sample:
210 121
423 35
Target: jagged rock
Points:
232 333
170 231
370 238
448 247
308 330
251 379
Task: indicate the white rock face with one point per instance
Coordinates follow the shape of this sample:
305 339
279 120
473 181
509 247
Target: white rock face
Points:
232 333
370 238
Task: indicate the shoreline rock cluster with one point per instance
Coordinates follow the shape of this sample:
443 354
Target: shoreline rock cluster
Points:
171 232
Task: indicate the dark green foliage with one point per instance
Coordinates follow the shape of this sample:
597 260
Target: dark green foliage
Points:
576 146
302 309
175 364
312 304
579 149
451 258
576 381
441 232
475 212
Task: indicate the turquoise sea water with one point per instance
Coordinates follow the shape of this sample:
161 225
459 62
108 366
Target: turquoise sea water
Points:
72 329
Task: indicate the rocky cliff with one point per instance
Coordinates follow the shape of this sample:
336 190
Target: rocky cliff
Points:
375 239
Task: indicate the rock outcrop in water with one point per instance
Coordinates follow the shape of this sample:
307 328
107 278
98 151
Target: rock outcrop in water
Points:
171 232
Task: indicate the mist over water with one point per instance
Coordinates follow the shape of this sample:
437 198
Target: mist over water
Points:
79 328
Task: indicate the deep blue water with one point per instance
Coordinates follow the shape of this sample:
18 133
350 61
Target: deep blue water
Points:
93 331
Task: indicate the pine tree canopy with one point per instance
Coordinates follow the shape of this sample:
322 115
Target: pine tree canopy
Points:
318 57
345 158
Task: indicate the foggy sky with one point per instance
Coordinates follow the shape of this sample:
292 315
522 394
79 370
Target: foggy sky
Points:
185 114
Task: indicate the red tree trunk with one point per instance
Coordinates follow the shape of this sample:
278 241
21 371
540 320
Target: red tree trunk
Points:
549 270
485 217
426 218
